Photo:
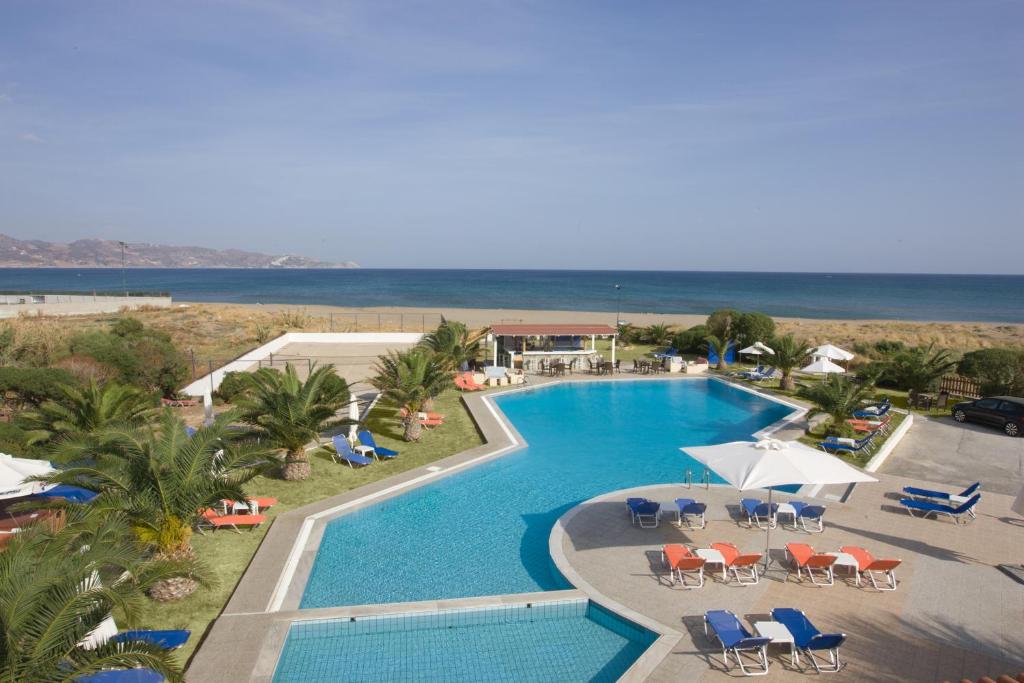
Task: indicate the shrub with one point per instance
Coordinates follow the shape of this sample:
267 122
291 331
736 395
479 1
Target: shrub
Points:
748 328
657 334
917 369
86 369
142 356
997 371
31 386
232 386
719 323
691 340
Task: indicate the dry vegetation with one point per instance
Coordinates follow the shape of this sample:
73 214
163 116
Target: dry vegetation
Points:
959 337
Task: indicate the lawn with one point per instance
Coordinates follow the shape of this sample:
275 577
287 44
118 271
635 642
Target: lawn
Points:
228 554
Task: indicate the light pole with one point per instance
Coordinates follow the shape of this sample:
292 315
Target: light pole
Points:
124 277
618 304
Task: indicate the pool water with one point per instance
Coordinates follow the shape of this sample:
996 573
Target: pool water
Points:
559 641
485 531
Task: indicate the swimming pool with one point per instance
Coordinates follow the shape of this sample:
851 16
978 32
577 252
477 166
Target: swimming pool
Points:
485 531
556 641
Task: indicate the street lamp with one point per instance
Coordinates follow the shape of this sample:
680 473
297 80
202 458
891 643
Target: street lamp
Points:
618 302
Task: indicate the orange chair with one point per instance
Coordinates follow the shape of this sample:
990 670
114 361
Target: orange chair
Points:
679 560
804 558
868 565
465 382
735 561
254 505
216 521
426 419
870 425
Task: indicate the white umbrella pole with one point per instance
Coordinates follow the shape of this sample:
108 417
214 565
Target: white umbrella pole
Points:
768 536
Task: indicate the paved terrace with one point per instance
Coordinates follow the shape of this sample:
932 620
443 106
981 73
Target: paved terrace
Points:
953 615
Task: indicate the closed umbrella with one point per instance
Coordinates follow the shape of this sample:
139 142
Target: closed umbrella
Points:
15 471
763 464
823 366
831 352
353 415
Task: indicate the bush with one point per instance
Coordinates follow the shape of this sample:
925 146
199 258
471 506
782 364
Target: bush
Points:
232 386
691 340
748 328
719 323
13 440
997 371
142 357
86 369
32 386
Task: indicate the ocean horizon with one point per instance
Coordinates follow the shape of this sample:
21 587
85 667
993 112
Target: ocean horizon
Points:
850 296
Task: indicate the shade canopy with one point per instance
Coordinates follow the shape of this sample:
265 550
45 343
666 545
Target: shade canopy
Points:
770 462
15 471
831 352
823 366
757 348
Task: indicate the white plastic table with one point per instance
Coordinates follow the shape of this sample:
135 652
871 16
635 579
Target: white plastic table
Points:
779 634
849 561
364 450
712 556
785 509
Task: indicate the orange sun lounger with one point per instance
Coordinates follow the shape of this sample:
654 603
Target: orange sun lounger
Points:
681 560
806 559
465 382
867 565
216 521
430 419
260 503
734 560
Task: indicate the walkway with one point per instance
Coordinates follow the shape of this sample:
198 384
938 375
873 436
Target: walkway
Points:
954 615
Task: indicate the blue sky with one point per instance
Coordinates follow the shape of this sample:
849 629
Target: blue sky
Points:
772 135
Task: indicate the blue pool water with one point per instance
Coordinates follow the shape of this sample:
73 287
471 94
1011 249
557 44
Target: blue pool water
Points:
563 641
485 531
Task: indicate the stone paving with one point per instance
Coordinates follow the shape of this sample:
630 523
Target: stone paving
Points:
953 615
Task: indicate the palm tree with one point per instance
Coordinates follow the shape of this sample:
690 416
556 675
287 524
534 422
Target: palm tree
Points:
658 334
409 379
719 347
452 344
161 480
920 368
289 413
60 581
87 409
837 397
790 354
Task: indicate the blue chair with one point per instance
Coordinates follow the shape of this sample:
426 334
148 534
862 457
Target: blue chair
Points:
170 639
343 452
687 508
735 638
123 676
756 510
928 493
809 639
833 444
366 438
805 513
877 410
926 507
644 512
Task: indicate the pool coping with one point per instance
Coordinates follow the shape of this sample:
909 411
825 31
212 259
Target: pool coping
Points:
281 565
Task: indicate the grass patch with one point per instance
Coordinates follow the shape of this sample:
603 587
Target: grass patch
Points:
228 554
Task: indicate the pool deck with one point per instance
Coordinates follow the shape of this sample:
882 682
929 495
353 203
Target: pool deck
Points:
953 614
246 639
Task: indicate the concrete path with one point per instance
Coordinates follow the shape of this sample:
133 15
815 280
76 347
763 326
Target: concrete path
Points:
943 451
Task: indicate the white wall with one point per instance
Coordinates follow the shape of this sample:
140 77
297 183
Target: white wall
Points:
210 382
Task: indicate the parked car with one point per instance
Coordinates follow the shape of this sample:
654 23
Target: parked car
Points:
1006 412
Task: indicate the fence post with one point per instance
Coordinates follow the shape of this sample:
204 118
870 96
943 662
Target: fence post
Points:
379 327
355 323
271 359
332 321
309 367
401 322
193 354
423 322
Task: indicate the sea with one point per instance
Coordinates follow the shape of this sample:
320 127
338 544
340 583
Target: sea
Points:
981 298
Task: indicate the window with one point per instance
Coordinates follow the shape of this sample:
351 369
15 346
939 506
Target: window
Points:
1013 408
987 403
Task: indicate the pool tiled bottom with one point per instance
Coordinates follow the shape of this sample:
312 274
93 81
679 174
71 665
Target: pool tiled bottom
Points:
551 641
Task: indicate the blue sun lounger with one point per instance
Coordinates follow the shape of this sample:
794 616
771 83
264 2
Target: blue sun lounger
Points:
345 454
756 510
687 508
832 444
927 507
809 639
366 438
644 512
877 410
123 676
167 639
928 493
804 513
735 638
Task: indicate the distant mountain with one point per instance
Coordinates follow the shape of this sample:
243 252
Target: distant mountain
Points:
15 253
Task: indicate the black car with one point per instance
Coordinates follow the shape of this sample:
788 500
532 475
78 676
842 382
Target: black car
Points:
1006 412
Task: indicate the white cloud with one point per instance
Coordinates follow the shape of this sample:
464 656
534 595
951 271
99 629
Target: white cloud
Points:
30 137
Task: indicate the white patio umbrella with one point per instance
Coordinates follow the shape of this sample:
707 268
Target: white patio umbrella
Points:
353 414
831 352
757 349
823 366
14 472
762 464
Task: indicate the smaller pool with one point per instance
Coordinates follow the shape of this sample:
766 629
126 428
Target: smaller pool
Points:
573 640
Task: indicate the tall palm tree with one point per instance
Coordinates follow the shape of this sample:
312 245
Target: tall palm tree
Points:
918 369
161 480
409 379
59 582
790 354
719 347
452 345
837 397
87 409
289 413
658 334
